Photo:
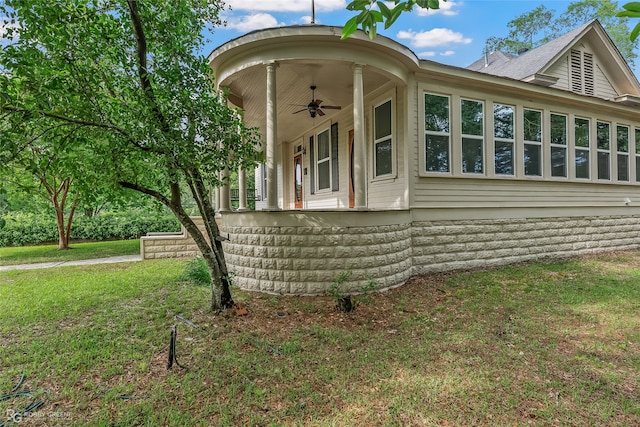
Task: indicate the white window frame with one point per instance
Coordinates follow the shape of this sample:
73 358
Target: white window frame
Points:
581 148
511 140
383 139
623 154
556 146
526 142
427 133
603 151
473 137
636 150
319 161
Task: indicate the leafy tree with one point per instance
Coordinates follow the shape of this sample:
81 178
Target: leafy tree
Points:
631 10
372 12
128 75
542 23
522 31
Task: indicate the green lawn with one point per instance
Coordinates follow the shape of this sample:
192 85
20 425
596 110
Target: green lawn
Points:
50 253
538 344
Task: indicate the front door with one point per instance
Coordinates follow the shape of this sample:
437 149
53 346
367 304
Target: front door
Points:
297 181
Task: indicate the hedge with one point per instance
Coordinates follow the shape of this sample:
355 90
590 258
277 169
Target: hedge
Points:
19 228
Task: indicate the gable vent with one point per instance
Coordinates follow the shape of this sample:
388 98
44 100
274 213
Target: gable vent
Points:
576 71
589 87
581 69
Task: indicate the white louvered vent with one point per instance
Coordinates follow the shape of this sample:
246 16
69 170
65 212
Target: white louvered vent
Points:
581 69
576 71
589 85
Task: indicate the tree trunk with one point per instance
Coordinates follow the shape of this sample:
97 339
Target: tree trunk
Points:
58 197
211 249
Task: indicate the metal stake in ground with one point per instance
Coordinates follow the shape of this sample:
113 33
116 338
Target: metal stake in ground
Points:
172 349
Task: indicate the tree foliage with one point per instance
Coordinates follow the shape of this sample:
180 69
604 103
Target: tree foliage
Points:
126 81
541 25
373 12
631 10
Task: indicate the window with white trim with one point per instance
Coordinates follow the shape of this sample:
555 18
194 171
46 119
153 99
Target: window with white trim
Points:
472 115
582 138
558 145
622 148
503 139
532 142
383 139
603 137
437 133
323 161
637 151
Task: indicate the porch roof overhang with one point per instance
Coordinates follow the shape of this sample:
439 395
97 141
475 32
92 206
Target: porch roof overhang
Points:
306 55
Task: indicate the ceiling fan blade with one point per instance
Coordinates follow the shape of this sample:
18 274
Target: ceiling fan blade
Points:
317 101
320 112
331 107
299 111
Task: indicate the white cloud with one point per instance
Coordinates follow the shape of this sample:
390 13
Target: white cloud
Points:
429 54
306 20
287 5
446 8
5 25
433 38
448 53
256 21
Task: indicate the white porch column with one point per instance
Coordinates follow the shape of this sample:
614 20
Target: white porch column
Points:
242 190
225 200
272 138
359 148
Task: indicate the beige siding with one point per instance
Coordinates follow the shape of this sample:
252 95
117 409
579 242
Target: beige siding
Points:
389 192
560 70
604 88
463 192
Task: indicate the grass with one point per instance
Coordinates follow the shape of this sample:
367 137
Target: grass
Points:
552 344
50 253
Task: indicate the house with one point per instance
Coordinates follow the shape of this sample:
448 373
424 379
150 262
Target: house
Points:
387 165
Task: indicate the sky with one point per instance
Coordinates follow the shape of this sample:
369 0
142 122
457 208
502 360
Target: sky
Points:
453 35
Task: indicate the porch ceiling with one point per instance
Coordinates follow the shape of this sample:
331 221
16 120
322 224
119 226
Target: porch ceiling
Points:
333 79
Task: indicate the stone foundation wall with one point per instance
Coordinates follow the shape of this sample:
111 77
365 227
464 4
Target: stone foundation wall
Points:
170 245
305 252
306 260
454 245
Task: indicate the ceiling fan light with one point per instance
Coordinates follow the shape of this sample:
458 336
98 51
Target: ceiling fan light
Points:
313 109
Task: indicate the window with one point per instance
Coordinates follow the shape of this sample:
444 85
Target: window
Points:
437 132
503 136
581 72
603 137
324 160
472 136
582 148
558 145
637 134
383 139
622 147
532 143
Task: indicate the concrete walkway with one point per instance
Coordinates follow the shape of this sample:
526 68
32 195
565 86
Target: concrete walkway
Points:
123 258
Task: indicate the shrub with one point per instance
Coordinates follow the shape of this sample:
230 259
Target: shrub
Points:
28 228
197 272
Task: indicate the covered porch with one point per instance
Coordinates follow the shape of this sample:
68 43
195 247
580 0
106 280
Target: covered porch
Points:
312 96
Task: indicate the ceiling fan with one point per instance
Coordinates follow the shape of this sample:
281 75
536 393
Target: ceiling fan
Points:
314 108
